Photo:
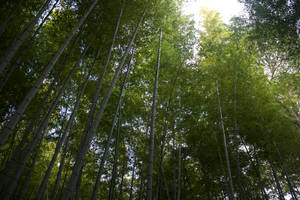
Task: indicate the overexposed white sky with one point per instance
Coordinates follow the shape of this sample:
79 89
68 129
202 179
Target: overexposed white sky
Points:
227 8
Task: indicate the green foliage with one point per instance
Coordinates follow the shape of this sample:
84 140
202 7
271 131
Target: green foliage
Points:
267 95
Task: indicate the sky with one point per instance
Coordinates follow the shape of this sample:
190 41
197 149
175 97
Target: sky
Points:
227 8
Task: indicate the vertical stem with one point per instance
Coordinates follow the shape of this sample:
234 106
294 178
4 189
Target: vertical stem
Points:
114 171
179 171
151 146
12 50
14 65
78 184
85 142
9 125
122 181
61 166
278 186
28 177
103 159
286 174
132 179
236 132
225 146
11 14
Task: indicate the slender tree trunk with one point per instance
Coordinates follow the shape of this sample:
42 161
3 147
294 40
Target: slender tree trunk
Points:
11 14
236 131
9 126
24 188
221 161
24 51
65 178
292 191
30 127
122 181
256 168
165 183
278 186
61 166
225 146
103 159
78 184
141 188
161 159
237 158
12 50
174 172
114 171
162 145
132 179
28 178
152 127
101 76
263 191
14 180
179 172
158 189
66 130
84 145
40 131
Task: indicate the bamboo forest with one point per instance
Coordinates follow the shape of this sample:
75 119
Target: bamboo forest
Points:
136 100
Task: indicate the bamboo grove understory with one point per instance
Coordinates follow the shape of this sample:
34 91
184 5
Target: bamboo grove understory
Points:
130 99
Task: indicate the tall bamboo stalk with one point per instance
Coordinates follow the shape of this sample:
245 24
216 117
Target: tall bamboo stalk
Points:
116 153
14 65
152 127
108 140
9 125
85 142
225 146
12 50
64 135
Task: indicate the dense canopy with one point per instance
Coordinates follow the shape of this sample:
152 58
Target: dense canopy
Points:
130 99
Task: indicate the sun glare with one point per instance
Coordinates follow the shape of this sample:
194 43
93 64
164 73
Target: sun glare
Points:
227 8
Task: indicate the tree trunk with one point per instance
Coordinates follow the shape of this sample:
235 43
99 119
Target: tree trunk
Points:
166 183
122 181
61 166
256 168
286 174
236 132
9 126
65 177
12 50
37 134
14 180
101 76
278 186
84 145
141 188
24 51
132 179
108 140
225 146
152 127
27 181
114 171
179 171
78 184
11 14
221 161
66 130
30 127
